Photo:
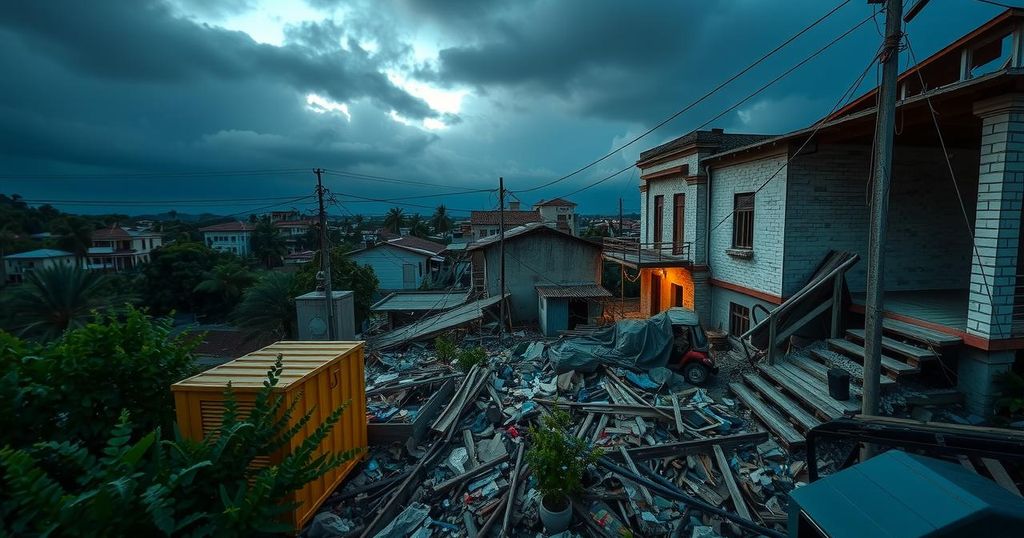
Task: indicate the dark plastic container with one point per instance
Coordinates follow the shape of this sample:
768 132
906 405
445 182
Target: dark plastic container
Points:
839 384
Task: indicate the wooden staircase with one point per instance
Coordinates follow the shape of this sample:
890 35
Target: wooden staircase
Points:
791 396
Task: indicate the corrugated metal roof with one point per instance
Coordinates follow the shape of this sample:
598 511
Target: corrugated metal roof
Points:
578 291
37 254
435 324
413 301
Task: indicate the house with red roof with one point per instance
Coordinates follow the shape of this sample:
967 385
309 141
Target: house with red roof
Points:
120 248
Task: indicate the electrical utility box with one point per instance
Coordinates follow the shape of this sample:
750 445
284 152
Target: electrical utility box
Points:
312 316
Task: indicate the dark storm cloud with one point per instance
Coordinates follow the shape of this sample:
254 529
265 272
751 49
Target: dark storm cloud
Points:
137 41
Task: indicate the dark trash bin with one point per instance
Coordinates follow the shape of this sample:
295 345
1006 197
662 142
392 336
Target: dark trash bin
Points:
839 384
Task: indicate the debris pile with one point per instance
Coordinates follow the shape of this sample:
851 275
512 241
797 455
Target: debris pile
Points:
675 462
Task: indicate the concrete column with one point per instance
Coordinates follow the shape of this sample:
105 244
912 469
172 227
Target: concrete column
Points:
997 221
698 250
702 295
976 373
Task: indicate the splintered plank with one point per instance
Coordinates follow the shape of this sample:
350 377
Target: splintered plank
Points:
1000 475
891 366
772 395
730 481
913 353
772 419
856 375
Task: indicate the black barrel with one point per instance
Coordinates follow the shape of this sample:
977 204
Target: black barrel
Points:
839 384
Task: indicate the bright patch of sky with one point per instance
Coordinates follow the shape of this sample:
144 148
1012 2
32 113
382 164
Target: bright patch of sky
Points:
322 105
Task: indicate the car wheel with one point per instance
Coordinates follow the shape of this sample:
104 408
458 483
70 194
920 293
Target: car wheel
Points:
696 374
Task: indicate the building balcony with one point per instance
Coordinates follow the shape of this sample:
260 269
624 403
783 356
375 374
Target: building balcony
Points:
632 252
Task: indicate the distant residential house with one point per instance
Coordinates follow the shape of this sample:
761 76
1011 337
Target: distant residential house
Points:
560 214
234 237
545 269
487 223
118 248
401 263
16 266
292 231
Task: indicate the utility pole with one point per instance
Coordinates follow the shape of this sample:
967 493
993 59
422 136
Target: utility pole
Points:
620 216
325 259
501 254
879 210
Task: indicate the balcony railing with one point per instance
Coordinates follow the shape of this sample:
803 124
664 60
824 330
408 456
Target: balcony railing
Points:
633 251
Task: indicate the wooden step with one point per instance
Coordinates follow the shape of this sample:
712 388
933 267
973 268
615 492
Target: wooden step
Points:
809 396
820 372
857 377
819 387
778 425
782 402
890 366
920 334
914 355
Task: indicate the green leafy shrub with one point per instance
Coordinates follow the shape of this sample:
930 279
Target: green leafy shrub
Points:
557 458
445 348
1011 388
179 487
74 389
466 359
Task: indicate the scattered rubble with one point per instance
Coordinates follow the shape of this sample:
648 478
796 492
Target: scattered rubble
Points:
678 461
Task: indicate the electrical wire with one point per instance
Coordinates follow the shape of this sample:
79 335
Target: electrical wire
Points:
953 178
387 200
750 96
701 99
194 201
846 95
152 175
1000 4
355 175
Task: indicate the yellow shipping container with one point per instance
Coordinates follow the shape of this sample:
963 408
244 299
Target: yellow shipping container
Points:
321 375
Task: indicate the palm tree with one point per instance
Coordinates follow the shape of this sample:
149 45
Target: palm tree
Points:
394 219
441 222
75 236
418 227
267 243
268 306
228 279
54 299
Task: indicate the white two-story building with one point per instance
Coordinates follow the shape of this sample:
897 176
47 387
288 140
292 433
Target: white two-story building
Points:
121 248
234 237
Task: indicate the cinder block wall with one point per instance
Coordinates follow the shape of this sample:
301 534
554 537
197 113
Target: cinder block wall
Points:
927 245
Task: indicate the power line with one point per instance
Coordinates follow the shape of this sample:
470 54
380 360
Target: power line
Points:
1000 4
293 200
389 201
156 175
698 101
236 201
355 175
755 93
846 95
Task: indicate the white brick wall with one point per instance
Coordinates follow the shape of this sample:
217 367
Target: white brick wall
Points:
997 222
720 299
762 272
668 188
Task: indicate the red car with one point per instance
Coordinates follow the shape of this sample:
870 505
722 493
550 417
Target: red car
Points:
691 353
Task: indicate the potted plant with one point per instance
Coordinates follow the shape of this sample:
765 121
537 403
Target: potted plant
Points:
558 459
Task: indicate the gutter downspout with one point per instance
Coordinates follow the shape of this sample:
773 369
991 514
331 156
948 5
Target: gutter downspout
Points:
707 236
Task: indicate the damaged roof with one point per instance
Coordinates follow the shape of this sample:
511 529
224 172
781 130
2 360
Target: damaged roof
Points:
584 290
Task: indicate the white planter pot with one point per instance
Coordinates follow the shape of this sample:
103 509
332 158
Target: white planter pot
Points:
555 522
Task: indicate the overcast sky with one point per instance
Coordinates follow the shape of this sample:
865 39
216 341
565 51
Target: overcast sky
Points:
110 96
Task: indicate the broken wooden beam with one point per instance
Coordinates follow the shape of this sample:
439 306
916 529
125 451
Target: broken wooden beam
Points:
730 481
680 448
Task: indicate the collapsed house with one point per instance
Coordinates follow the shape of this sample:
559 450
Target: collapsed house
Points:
734 225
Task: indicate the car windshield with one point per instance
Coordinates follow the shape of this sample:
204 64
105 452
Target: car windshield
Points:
699 338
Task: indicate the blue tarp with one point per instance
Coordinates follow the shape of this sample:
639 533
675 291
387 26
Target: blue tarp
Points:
637 344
